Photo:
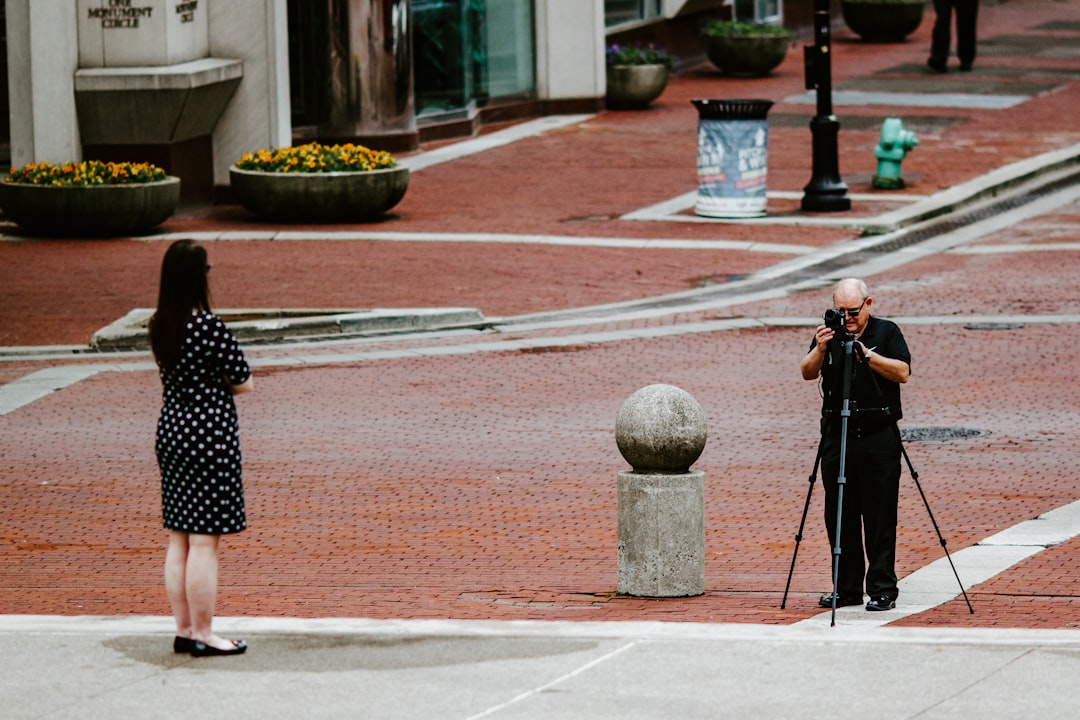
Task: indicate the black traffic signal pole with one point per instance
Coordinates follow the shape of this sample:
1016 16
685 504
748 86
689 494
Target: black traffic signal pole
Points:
825 192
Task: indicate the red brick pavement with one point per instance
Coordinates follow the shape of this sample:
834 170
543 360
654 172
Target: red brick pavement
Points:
482 486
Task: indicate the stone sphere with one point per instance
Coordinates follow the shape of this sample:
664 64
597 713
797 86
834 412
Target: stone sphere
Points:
660 429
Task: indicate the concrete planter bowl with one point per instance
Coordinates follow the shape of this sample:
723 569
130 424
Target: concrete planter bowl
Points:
882 20
90 210
633 87
747 55
330 197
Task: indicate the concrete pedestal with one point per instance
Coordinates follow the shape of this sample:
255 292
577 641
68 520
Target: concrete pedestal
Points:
661 534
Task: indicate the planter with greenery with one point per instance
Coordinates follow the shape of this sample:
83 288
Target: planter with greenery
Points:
746 49
882 20
89 199
319 183
636 75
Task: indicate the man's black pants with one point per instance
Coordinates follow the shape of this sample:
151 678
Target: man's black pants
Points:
871 493
967 12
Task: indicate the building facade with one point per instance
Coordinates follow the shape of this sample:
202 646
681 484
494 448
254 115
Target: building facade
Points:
191 85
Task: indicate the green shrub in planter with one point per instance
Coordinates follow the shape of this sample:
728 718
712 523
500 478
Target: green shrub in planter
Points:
882 20
746 49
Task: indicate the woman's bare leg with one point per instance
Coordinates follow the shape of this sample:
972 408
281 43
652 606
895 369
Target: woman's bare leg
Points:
202 576
176 559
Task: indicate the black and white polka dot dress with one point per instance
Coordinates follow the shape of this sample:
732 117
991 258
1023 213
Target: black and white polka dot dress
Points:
198 434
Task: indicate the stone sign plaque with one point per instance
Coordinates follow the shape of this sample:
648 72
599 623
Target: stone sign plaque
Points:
137 33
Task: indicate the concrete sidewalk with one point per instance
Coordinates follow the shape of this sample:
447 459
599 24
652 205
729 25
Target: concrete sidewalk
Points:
123 668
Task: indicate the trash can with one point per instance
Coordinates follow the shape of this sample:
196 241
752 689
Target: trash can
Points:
732 157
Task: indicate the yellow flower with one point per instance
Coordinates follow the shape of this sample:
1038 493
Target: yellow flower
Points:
314 157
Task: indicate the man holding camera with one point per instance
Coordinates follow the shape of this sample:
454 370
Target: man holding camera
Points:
879 363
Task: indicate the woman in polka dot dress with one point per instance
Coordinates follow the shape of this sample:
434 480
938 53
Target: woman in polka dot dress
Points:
198 444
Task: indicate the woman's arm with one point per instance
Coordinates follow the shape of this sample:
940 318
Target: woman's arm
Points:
246 386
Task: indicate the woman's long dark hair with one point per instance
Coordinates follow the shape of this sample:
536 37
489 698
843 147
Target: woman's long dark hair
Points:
184 288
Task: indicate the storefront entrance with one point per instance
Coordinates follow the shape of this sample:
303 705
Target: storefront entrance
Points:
465 54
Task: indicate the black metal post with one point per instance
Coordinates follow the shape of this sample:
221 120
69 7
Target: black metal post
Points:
825 192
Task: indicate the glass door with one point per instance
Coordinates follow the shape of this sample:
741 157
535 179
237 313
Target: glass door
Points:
448 66
467 52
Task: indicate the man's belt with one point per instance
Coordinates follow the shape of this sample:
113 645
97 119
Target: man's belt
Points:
866 421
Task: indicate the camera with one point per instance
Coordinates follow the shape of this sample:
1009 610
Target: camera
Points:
834 320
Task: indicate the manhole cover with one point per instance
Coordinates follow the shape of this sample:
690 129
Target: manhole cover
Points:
924 434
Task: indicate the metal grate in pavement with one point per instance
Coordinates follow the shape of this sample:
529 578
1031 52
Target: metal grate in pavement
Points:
994 326
924 434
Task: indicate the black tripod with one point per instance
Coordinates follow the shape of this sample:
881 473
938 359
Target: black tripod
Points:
846 411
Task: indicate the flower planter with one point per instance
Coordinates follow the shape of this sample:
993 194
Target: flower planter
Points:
882 20
90 210
633 87
747 55
325 197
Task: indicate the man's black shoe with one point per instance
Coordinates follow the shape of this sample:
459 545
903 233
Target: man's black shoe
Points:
936 65
881 602
825 600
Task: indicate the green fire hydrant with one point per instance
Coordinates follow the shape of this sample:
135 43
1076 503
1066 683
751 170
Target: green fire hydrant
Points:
890 152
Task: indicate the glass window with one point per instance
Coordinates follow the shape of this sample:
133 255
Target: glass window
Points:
766 11
467 51
510 48
621 11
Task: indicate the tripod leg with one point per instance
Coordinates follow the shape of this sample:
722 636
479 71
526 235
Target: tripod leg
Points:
926 503
841 480
802 523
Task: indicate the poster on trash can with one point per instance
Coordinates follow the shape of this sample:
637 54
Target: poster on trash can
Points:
732 168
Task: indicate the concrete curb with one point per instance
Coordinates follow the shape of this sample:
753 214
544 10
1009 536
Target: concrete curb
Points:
251 325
